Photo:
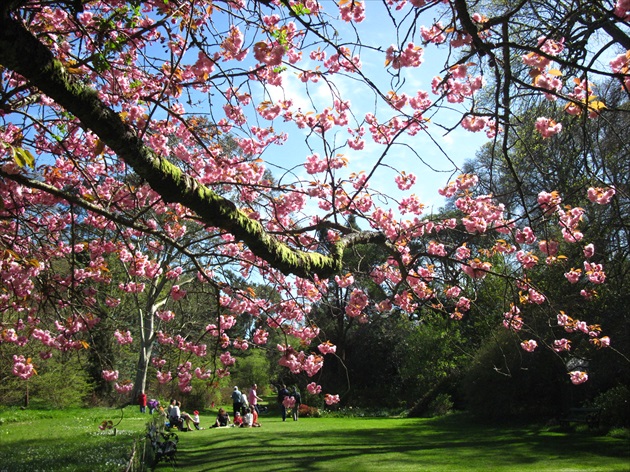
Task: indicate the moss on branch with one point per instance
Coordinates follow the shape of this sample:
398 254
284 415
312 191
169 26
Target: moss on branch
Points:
23 53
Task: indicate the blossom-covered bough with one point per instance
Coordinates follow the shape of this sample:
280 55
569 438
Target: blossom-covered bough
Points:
132 127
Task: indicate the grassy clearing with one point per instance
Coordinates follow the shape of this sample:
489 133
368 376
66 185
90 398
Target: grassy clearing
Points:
67 440
70 440
453 443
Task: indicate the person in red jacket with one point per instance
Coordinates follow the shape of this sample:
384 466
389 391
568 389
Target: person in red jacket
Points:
142 401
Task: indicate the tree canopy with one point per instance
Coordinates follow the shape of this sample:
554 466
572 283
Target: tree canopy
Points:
223 132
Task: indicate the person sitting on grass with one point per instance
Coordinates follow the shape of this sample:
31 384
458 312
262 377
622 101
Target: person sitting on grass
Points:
238 419
248 419
186 417
195 420
178 419
223 419
255 423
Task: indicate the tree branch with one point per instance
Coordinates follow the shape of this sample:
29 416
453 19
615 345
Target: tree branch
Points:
23 53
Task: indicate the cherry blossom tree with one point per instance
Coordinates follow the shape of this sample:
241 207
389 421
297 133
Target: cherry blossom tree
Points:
122 109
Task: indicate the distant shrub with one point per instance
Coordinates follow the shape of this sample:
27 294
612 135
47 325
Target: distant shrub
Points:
441 405
306 411
56 385
358 412
615 407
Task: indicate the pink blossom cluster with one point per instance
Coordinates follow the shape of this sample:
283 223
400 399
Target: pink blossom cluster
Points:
298 362
327 348
123 388
331 399
313 388
578 377
410 56
512 319
529 345
547 127
23 367
601 196
110 375
352 10
457 86
123 338
189 142
288 402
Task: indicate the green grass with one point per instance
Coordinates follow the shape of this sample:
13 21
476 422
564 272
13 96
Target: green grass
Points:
67 440
453 443
70 440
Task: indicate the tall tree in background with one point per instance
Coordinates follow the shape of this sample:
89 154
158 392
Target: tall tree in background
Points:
101 106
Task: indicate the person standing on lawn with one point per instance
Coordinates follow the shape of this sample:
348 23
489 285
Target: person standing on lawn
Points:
237 400
295 393
142 401
253 397
282 394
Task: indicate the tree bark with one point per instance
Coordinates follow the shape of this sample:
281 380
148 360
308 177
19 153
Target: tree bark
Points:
23 53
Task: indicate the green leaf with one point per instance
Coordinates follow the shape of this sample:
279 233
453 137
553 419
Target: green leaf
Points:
23 157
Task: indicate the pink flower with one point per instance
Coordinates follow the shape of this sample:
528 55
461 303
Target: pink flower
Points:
549 201
177 293
331 399
436 249
578 377
269 54
227 359
260 336
327 348
163 377
573 276
405 181
601 196
165 316
589 251
123 389
600 342
550 248
313 388
203 374
344 280
123 338
453 292
474 123
358 301
352 10
560 345
547 127
462 252
110 375
527 259
476 269
529 345
314 164
525 236
22 367
595 273
288 402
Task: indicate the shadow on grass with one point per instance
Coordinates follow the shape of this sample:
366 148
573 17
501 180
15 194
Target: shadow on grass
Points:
448 444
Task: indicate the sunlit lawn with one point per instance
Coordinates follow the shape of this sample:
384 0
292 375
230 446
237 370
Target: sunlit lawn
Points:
70 440
37 440
452 443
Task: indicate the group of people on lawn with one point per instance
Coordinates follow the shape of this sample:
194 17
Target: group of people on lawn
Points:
245 410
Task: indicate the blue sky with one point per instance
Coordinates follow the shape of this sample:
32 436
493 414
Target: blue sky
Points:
433 166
